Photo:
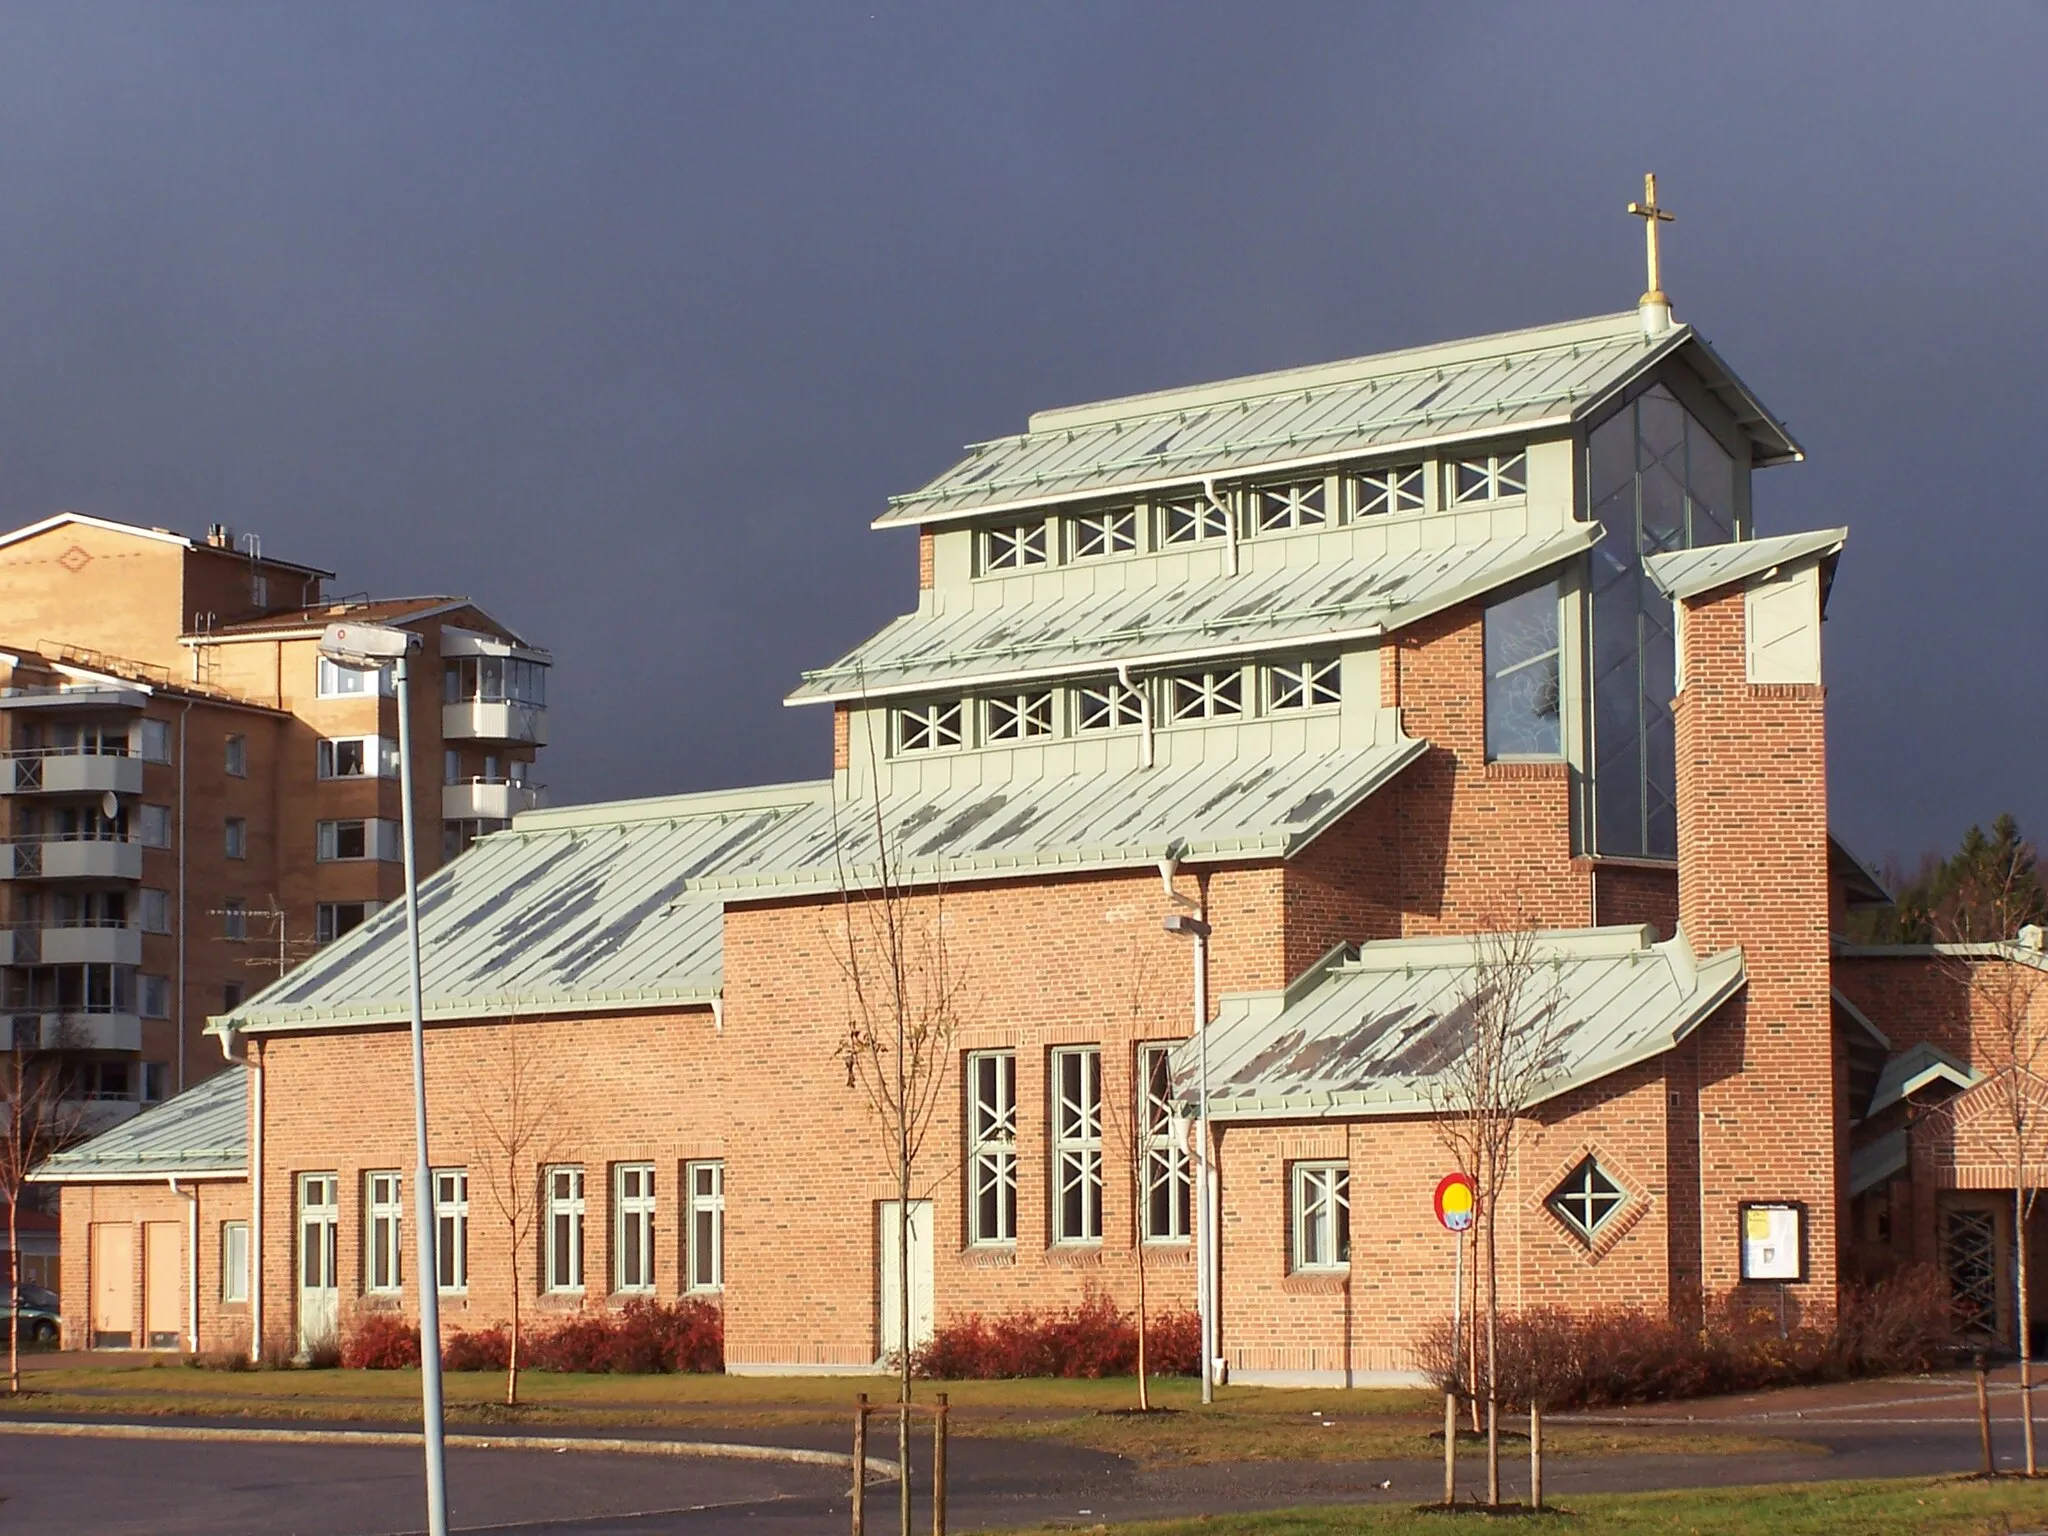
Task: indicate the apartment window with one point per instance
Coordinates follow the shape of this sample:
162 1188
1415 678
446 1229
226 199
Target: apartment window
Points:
154 1074
1108 706
155 741
1587 1200
451 1228
707 1225
382 1211
1322 1216
156 911
237 756
451 766
457 836
259 589
1015 547
154 822
1311 683
1168 1200
1205 695
564 1240
234 918
331 919
1077 1145
932 727
154 994
376 838
1489 478
1095 535
1522 679
234 1261
335 681
357 757
495 680
1192 519
1020 716
231 994
992 1147
633 1226
1304 504
235 837
1380 491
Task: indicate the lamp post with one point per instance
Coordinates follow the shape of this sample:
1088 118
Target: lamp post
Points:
1194 924
371 647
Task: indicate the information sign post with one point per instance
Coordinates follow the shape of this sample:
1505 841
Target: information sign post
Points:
1455 1206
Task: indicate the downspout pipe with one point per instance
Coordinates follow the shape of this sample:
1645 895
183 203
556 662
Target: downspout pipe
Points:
191 1197
184 731
253 1059
1229 524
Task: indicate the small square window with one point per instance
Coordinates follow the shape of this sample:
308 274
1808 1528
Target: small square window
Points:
932 727
1107 706
1097 535
1587 1200
1014 548
1018 717
1321 1197
237 756
1490 478
1192 520
1308 684
1301 505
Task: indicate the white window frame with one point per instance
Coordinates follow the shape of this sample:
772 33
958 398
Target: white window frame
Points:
1319 1217
562 1241
153 740
383 1232
1293 505
451 1229
234 1262
991 1088
1167 1165
1310 682
705 1183
380 840
334 681
235 837
1076 1089
1486 477
1213 694
1016 546
1018 717
633 1228
1390 490
378 755
938 725
1192 520
1108 706
1102 535
235 757
155 916
326 913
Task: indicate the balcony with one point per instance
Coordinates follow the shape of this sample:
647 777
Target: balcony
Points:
57 858
30 1031
81 944
60 772
487 800
481 720
103 696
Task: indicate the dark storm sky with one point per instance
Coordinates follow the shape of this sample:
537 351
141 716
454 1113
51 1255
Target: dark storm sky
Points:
625 319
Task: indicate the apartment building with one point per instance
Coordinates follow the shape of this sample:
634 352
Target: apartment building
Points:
194 801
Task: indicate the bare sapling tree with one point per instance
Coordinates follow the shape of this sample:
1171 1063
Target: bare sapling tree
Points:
903 997
512 1121
1505 1024
1143 1128
41 1120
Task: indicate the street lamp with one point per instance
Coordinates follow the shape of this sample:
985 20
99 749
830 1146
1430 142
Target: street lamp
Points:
1194 924
372 647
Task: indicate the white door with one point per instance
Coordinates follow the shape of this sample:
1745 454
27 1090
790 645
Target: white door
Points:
888 1300
319 1267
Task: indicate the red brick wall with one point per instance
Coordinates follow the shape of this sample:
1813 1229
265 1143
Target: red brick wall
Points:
927 560
222 1325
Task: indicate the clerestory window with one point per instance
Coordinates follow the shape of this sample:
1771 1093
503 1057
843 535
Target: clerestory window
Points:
1305 504
1107 706
1380 491
1213 695
1098 535
1015 548
1191 520
1310 683
1019 716
928 727
1490 477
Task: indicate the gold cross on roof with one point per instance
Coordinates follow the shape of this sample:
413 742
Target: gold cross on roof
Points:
1651 215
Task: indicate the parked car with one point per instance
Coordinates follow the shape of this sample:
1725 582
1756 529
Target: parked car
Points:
37 1309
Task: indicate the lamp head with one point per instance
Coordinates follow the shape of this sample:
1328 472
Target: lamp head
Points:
365 646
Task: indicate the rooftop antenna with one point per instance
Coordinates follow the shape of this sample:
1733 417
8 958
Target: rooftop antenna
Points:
1655 304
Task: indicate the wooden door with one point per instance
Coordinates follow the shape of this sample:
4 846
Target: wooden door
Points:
163 1252
112 1256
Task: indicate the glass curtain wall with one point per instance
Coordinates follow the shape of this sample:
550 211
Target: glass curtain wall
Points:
1658 481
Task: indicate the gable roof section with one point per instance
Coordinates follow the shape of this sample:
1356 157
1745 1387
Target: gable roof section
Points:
134 530
1375 1029
1515 381
1915 1068
202 1131
1686 573
1154 626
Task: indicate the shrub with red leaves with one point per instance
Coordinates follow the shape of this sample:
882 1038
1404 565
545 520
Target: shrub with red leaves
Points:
644 1336
1093 1339
380 1341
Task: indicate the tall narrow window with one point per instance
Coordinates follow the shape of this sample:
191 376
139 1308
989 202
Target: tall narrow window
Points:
236 837
1020 716
1094 535
1077 1145
234 918
383 1211
1014 548
1380 491
707 1225
1167 1196
156 910
155 745
1522 700
237 756
564 1242
992 1147
1107 706
234 1261
1307 684
633 1218
451 1228
1322 1216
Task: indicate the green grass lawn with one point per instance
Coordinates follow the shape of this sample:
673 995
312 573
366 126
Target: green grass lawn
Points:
1244 1424
1915 1507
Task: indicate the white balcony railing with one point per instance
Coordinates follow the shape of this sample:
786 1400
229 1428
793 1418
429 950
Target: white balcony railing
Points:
488 800
478 720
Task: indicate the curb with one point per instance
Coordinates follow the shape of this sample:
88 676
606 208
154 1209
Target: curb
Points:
878 1467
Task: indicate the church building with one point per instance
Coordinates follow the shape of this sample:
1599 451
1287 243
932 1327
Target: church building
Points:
1361 672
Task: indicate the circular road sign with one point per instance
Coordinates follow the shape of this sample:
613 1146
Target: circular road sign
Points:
1454 1202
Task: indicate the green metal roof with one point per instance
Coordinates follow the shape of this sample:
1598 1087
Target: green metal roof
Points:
1515 382
1373 1030
986 640
1917 1067
1687 573
1884 1157
203 1131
